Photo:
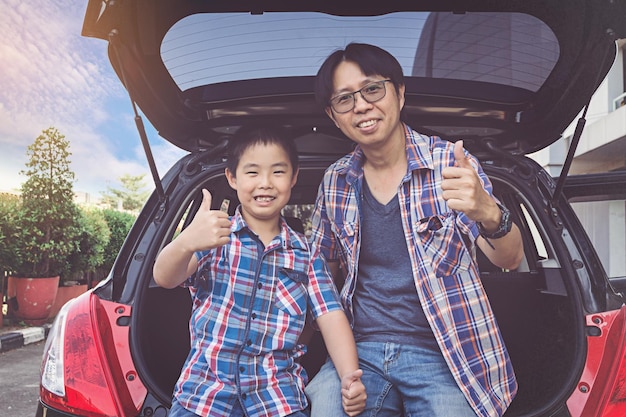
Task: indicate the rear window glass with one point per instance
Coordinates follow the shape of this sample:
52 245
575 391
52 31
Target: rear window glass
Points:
511 49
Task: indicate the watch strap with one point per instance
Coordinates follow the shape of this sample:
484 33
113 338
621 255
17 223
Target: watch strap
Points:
503 228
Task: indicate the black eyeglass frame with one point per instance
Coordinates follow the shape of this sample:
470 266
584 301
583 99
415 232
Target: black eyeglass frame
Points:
353 94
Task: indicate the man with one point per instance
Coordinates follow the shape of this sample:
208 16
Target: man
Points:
401 215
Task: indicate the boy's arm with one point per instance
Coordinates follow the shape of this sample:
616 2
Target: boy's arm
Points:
342 350
208 229
174 265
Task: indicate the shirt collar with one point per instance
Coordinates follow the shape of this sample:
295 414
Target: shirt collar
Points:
418 154
288 238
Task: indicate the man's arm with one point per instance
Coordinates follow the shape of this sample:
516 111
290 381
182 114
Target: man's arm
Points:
463 191
506 252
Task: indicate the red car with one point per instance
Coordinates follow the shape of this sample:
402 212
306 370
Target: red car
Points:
507 77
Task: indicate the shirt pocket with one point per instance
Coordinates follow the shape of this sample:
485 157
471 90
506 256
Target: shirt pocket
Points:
291 291
443 244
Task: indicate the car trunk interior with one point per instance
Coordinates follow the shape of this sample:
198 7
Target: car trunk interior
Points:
539 318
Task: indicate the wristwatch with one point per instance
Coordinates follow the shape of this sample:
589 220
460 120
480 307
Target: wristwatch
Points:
505 225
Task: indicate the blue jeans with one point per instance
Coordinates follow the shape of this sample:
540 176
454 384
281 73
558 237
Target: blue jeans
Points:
399 380
178 410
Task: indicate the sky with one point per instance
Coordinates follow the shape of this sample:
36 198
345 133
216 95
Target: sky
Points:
51 76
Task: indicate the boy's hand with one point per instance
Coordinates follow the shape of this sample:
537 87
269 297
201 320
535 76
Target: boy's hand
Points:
353 394
208 229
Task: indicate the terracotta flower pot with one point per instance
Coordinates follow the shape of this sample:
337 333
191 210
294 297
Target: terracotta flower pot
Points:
65 294
31 299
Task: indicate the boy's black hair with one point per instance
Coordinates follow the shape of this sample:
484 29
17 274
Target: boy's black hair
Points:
371 59
251 135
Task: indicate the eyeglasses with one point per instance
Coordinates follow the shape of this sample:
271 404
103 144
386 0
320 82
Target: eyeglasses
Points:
371 93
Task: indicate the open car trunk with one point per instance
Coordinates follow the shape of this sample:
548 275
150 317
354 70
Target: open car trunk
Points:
538 306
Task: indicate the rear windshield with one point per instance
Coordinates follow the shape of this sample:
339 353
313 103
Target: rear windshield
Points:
512 49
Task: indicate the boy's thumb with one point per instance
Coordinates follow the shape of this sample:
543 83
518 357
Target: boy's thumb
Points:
353 376
206 199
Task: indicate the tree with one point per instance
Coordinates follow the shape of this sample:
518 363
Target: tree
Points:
119 224
48 215
92 241
10 206
132 195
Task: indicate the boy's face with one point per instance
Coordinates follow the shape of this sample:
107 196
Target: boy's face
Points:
368 124
263 182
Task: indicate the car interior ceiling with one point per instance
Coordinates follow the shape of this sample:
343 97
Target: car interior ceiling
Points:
536 324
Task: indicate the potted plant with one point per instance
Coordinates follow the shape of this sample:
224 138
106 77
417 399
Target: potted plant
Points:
47 219
76 277
9 234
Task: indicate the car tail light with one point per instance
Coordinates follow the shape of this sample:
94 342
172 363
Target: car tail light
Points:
87 368
601 391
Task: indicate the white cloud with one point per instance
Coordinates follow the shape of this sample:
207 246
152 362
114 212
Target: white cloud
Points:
51 76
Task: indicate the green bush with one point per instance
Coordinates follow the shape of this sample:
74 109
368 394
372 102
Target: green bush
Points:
92 240
119 225
10 206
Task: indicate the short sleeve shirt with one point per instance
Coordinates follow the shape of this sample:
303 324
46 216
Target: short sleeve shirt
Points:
250 304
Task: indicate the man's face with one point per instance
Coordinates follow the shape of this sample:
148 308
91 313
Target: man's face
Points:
368 124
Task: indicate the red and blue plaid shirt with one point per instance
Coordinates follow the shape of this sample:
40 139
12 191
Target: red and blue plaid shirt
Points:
440 243
249 308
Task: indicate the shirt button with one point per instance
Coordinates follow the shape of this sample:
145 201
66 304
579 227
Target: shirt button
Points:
259 285
254 315
241 369
244 396
248 342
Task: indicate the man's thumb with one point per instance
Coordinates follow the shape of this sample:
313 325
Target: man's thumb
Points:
461 160
206 199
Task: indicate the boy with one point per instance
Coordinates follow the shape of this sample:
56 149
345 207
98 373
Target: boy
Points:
256 279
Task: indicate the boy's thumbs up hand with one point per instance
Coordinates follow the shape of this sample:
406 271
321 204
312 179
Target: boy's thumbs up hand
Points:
463 190
209 228
353 393
207 198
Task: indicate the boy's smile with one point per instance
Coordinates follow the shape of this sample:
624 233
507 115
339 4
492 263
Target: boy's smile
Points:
263 181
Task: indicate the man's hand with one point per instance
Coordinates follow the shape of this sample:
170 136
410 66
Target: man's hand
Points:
464 192
353 394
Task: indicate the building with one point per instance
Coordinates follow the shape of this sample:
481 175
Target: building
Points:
602 148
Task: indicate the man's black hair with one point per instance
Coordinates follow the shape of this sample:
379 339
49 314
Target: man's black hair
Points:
371 59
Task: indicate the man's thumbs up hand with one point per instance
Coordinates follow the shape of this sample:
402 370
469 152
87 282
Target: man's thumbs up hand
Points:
462 188
460 159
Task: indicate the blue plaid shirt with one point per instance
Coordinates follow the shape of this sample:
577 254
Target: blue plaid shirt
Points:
440 249
249 308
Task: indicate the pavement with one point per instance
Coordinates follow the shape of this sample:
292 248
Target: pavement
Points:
14 337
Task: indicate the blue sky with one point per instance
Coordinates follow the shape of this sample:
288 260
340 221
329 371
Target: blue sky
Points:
52 76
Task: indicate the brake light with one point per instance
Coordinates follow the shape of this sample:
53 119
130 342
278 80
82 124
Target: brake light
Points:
601 391
87 369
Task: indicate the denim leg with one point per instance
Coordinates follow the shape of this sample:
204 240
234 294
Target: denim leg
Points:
237 410
425 382
383 399
301 413
324 392
178 410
